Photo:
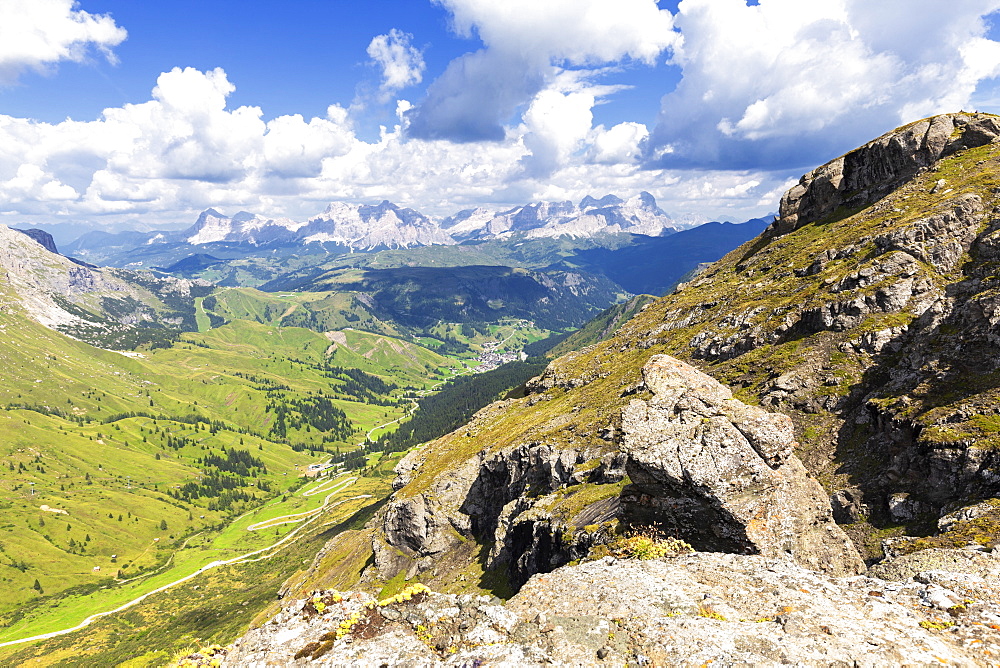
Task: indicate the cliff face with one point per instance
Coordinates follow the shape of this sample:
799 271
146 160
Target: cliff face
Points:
690 462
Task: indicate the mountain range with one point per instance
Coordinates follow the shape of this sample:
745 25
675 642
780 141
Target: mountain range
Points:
364 227
591 217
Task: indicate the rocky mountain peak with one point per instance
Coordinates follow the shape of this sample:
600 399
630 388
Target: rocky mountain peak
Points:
243 216
869 172
101 306
646 199
589 202
42 237
210 213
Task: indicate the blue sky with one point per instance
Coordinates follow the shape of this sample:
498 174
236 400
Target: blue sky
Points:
287 58
714 106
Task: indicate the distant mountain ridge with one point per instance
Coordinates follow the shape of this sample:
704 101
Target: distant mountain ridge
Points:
607 215
357 226
369 227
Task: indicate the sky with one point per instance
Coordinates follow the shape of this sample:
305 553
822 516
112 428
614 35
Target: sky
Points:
130 113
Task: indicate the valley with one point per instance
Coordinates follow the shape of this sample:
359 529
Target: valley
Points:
127 472
407 423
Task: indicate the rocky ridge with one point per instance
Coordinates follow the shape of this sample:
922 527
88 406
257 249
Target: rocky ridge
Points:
757 611
865 313
607 215
101 306
692 462
357 226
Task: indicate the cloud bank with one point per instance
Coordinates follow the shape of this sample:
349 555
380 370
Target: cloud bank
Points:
793 83
525 43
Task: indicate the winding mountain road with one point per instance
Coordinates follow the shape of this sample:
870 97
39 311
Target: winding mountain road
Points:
307 518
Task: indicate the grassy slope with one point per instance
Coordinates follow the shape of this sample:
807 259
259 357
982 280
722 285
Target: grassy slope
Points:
97 471
319 311
601 327
215 606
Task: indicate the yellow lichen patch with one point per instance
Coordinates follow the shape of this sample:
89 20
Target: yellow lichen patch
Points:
408 593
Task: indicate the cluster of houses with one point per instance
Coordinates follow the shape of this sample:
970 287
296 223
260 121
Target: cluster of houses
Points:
490 360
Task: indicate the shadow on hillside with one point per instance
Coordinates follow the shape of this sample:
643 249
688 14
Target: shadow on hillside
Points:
882 446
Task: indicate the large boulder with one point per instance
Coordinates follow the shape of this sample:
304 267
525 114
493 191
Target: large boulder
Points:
722 475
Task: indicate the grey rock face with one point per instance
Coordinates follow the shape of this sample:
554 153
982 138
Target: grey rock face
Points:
697 609
500 498
42 237
718 473
950 520
869 172
722 476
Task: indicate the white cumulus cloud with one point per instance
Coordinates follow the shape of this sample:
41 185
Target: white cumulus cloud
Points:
31 183
581 32
37 34
525 44
621 143
401 63
785 81
557 124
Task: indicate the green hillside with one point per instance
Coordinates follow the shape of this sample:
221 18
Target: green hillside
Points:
319 311
106 453
417 297
602 326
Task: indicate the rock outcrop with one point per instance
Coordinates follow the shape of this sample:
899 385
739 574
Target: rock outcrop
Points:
42 237
703 466
695 609
868 173
722 475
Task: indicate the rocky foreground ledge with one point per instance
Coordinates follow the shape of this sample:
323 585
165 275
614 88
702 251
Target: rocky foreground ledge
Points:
693 609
